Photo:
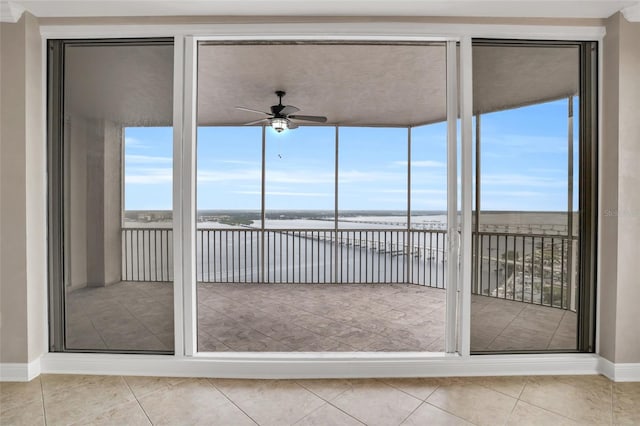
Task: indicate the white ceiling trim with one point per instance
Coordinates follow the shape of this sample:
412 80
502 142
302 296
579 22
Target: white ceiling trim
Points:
10 12
632 13
455 8
380 31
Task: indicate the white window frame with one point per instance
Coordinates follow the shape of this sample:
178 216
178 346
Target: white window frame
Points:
453 286
187 361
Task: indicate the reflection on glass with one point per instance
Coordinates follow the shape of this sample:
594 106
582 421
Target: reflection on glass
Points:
118 203
526 224
429 203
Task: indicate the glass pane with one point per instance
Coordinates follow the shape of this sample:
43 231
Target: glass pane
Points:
228 203
118 206
372 204
308 286
526 230
299 204
429 204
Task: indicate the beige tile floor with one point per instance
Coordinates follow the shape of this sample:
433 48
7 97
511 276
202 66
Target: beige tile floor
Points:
307 317
116 400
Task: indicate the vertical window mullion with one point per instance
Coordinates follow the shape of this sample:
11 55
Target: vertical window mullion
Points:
451 282
184 200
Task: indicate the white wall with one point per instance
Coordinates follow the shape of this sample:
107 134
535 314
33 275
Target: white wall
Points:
620 194
23 204
22 194
628 280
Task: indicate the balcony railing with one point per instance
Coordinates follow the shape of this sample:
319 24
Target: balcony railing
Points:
528 268
532 268
147 254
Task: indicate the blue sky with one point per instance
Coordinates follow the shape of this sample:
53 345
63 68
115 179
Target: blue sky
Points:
523 164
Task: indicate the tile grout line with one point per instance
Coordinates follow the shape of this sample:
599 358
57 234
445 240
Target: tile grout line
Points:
210 381
328 402
142 323
319 396
505 327
401 390
540 407
345 412
310 413
500 392
449 412
549 411
137 400
442 409
411 413
526 382
111 407
99 334
556 330
612 418
512 409
44 410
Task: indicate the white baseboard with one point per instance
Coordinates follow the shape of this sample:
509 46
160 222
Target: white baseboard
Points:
287 366
620 372
20 372
318 365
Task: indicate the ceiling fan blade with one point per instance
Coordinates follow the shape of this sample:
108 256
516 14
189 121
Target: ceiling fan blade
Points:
292 125
289 109
316 118
252 110
251 123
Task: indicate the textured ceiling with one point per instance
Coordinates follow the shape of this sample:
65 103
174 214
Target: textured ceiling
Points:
355 85
506 76
351 85
127 84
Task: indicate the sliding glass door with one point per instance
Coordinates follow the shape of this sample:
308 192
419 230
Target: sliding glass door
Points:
111 222
533 218
326 178
304 179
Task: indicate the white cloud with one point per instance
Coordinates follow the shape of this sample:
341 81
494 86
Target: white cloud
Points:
147 159
518 180
430 191
549 171
299 176
131 142
239 162
287 193
512 194
353 176
149 176
272 176
421 163
429 203
414 192
225 176
525 143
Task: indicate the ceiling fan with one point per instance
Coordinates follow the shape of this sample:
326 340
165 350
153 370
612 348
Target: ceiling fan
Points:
281 115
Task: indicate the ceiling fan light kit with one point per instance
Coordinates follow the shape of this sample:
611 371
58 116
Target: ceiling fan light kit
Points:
279 124
281 115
